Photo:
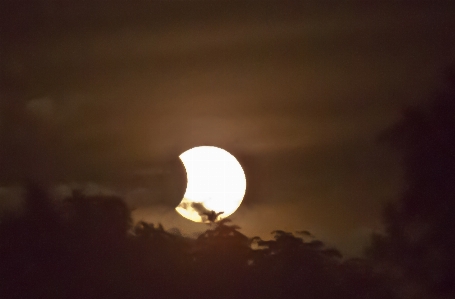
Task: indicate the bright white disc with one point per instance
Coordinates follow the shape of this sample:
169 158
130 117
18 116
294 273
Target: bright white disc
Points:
215 179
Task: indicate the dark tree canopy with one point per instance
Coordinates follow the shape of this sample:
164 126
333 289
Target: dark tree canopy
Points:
87 247
419 227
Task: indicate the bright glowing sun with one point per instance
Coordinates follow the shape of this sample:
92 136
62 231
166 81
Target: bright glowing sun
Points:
215 179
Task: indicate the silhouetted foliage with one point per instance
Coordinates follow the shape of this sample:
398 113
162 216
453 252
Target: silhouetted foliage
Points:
418 246
87 247
205 214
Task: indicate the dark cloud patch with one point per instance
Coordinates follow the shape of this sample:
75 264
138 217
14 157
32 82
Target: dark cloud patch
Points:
199 207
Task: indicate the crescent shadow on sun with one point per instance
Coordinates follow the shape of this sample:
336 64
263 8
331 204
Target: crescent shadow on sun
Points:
215 182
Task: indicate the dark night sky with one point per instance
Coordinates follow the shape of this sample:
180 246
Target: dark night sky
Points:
108 96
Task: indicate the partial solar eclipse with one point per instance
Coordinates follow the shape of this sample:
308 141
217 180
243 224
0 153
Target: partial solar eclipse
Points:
215 182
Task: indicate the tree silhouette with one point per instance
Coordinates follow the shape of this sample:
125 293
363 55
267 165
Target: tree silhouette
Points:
418 241
86 247
206 215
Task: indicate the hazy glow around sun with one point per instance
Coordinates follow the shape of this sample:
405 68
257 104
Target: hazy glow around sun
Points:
215 179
